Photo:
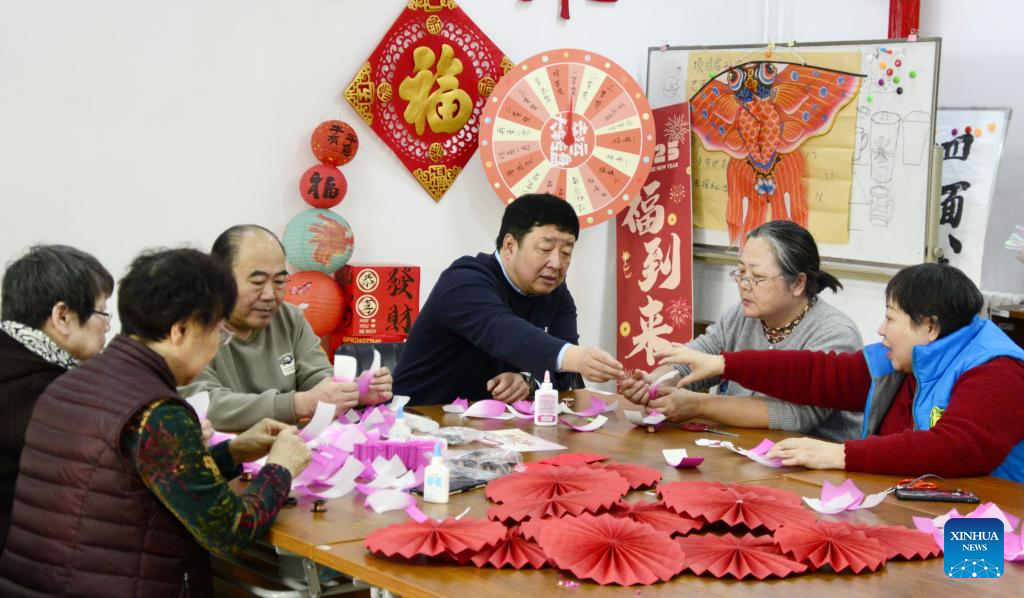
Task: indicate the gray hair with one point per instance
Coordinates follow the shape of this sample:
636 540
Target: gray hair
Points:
797 253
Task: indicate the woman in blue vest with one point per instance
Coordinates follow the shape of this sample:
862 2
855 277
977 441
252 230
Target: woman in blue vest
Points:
942 393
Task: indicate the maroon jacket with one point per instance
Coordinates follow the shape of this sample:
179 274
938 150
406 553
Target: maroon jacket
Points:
83 523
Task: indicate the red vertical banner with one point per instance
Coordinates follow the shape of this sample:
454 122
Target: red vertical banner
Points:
654 238
904 18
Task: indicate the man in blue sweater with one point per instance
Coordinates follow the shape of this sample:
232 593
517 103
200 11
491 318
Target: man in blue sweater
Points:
493 317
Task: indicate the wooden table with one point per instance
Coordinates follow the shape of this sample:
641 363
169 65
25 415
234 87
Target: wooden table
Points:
335 538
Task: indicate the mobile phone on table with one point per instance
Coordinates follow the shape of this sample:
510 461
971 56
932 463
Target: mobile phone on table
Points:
934 495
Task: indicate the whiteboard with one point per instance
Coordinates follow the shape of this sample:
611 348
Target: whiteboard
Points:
892 167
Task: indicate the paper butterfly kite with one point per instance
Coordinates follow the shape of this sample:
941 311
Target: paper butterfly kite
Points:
759 113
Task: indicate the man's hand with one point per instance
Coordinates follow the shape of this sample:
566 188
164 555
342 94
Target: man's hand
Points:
508 387
256 441
702 365
592 363
678 405
343 394
380 388
289 451
809 452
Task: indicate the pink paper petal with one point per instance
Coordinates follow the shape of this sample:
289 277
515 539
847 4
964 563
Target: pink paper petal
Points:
364 382
457 406
829 492
1013 546
679 459
219 437
596 407
523 407
638 419
322 417
520 414
594 424
991 509
487 408
382 501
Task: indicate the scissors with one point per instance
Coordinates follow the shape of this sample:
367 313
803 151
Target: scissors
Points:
695 427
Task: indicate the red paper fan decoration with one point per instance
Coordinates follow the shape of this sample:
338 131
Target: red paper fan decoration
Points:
334 142
573 503
323 186
608 550
901 542
638 476
515 551
733 504
576 459
658 516
432 538
737 556
547 482
837 545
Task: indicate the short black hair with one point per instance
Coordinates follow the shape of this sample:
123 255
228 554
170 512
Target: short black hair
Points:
164 287
225 247
537 209
936 290
796 253
47 275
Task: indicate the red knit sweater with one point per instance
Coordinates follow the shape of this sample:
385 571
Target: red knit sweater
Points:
981 424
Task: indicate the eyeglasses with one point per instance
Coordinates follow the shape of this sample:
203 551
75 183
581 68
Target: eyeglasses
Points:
225 334
103 315
748 282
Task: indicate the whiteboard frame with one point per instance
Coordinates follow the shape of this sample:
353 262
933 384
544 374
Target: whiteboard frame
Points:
847 266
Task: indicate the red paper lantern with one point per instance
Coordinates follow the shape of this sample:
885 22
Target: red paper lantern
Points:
319 298
334 142
323 186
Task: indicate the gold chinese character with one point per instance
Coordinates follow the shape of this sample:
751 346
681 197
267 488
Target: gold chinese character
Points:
447 108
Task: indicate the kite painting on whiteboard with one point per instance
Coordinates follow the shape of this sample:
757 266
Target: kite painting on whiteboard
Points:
759 113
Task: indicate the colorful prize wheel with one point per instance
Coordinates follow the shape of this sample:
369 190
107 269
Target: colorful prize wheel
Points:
571 123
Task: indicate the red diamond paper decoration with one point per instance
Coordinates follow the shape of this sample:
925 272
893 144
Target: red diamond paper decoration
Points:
424 86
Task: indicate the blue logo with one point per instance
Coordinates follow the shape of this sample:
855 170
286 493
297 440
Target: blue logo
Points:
973 547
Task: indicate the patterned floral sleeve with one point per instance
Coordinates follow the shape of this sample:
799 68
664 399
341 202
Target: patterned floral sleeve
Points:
165 445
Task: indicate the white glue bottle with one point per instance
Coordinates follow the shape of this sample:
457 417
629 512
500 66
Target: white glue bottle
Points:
545 404
435 478
399 431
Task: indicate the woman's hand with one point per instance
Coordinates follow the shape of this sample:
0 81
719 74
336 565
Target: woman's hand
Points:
680 405
636 388
810 453
255 442
702 365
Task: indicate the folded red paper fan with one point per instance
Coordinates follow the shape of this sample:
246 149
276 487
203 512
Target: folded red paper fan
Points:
638 476
432 538
576 459
574 503
837 545
547 482
901 542
514 551
609 550
737 556
734 504
657 515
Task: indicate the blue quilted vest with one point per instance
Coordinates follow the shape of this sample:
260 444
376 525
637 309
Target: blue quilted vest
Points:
937 366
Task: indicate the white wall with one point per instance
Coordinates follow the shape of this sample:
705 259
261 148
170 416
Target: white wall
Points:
128 124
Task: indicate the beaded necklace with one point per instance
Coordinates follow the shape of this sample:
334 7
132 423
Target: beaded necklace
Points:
777 335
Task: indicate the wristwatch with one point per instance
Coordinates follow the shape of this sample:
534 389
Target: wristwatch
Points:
528 378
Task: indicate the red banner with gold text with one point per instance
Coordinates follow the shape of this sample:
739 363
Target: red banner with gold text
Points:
654 237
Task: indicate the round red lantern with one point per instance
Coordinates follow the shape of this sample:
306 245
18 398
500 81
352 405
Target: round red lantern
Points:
319 298
323 186
334 142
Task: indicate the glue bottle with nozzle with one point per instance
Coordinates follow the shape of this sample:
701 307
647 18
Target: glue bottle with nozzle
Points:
399 431
545 404
435 478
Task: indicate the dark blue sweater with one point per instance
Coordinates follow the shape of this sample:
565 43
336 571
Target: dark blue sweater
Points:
475 326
